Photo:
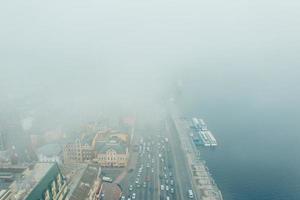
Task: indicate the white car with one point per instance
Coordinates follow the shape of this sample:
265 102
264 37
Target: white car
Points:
162 187
133 196
172 190
167 187
130 187
171 182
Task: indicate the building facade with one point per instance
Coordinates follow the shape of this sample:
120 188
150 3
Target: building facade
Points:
111 154
77 152
41 181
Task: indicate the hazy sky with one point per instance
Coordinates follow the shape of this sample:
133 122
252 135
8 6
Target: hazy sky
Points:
94 50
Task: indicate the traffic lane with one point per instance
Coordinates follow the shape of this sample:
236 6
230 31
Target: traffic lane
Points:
181 169
129 180
168 174
156 189
183 174
164 173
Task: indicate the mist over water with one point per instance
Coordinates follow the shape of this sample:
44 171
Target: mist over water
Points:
258 135
65 62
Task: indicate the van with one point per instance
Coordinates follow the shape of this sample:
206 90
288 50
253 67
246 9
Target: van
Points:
106 179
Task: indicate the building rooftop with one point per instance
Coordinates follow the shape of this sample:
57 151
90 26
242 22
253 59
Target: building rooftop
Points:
84 183
34 180
114 145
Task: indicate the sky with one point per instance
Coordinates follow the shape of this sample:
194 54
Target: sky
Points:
91 53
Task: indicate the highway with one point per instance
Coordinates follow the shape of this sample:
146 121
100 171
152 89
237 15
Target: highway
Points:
180 161
143 182
161 172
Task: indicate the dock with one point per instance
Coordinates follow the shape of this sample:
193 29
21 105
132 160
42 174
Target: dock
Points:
203 183
201 135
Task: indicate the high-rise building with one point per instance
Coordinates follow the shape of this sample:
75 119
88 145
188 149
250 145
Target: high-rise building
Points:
40 181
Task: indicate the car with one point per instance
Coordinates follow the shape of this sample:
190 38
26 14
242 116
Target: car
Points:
144 184
172 182
133 196
107 179
167 198
122 198
190 194
167 187
162 187
130 187
167 181
172 190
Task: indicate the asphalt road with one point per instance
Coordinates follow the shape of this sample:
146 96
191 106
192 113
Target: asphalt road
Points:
161 172
180 161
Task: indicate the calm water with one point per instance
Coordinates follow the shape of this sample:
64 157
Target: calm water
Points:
259 144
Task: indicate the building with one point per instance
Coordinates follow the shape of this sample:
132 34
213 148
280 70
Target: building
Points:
110 134
49 153
77 152
111 153
40 181
86 183
109 148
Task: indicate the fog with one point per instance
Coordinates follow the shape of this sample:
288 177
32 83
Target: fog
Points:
64 63
62 56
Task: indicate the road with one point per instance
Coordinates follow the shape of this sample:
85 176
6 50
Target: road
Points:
161 172
180 162
143 183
